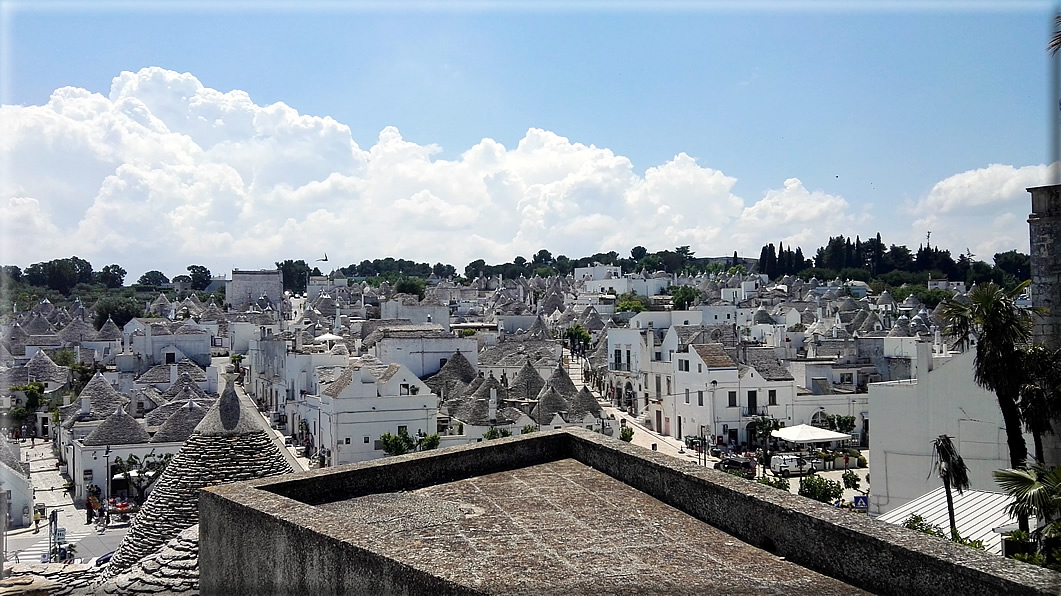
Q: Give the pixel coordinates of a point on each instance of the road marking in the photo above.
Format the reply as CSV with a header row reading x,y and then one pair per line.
x,y
33,553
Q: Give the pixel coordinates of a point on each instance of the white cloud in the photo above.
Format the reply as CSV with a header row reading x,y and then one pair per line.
x,y
164,172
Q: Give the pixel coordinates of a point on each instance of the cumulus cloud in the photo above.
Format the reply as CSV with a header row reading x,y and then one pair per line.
x,y
163,172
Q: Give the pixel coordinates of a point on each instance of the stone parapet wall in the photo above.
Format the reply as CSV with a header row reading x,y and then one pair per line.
x,y
300,548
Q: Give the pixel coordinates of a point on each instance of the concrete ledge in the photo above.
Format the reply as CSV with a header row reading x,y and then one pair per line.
x,y
268,536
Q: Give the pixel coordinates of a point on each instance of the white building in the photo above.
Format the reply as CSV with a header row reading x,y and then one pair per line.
x,y
361,403
909,414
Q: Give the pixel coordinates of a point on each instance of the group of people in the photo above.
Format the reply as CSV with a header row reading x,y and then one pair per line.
x,y
95,508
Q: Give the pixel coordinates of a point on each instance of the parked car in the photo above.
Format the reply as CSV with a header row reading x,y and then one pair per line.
x,y
743,465
787,465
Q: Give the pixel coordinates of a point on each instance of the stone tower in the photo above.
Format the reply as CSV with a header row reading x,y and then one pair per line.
x,y
1044,225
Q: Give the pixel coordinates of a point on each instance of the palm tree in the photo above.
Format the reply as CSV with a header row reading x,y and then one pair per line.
x,y
952,470
1036,492
1040,393
999,328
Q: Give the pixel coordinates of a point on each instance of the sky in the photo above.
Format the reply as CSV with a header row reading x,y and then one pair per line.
x,y
235,135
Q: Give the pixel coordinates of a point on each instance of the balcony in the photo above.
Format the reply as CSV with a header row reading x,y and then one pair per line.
x,y
619,366
750,412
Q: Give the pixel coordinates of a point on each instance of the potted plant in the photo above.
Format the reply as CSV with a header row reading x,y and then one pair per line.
x,y
1017,542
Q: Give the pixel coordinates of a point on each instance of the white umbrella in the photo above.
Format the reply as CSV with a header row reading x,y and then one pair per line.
x,y
327,337
805,433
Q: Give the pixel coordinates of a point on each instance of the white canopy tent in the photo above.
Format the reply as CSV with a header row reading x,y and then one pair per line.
x,y
805,433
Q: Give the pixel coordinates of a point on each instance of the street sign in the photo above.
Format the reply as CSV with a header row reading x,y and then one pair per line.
x,y
60,535
862,502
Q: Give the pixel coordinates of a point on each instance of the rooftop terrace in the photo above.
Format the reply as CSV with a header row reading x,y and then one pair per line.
x,y
566,511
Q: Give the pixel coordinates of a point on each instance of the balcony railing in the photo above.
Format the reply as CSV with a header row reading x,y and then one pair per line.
x,y
624,366
749,412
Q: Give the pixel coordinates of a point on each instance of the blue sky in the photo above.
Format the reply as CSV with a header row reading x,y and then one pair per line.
x,y
874,107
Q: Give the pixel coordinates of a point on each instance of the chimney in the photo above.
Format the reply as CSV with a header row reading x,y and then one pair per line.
x,y
493,404
172,374
86,405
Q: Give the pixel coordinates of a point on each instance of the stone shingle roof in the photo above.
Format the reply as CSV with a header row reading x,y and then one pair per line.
x,y
180,424
527,384
173,570
117,429
77,331
158,416
767,365
513,353
42,368
550,402
160,373
109,331
186,384
584,403
37,325
230,444
714,355
456,371
103,401
10,458
476,409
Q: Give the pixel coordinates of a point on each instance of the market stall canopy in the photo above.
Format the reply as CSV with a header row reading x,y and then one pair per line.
x,y
805,433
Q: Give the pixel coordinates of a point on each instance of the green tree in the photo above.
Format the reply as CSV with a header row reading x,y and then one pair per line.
x,y
430,442
152,278
397,444
200,277
1036,492
999,327
141,473
578,338
121,310
112,276
295,274
626,434
528,429
638,252
411,285
496,433
682,297
1039,394
34,391
952,471
820,489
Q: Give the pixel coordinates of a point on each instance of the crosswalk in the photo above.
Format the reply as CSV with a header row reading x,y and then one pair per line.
x,y
39,549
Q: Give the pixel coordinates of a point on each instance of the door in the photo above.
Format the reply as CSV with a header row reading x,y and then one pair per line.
x,y
659,421
679,435
666,425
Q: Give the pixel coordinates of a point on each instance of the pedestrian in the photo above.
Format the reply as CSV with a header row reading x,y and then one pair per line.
x,y
90,508
36,521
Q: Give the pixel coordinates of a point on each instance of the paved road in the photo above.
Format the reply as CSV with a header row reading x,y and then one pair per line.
x,y
28,545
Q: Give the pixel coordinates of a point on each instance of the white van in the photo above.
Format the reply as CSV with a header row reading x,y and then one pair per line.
x,y
790,465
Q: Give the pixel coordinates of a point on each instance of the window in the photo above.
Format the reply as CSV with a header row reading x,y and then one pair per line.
x,y
772,396
347,440
699,367
686,396
442,362
683,365
847,378
403,429
733,399
366,440
403,389
657,356
700,397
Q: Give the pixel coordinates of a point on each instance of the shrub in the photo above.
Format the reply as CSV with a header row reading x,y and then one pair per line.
x,y
496,433
528,429
626,434
430,442
851,480
820,489
779,483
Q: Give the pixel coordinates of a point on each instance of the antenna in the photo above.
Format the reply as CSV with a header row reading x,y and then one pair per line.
x,y
928,236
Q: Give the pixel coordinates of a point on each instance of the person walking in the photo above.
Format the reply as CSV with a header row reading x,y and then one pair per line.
x,y
37,521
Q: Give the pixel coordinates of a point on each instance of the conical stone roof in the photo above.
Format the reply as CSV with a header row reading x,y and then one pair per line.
x,y
117,429
562,383
230,444
173,570
77,331
527,384
109,331
549,404
584,403
456,371
180,424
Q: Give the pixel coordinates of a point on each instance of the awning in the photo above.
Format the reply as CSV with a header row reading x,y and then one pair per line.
x,y
805,433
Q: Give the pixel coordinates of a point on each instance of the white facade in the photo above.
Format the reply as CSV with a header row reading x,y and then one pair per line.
x,y
425,355
350,421
908,415
597,272
94,464
419,314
